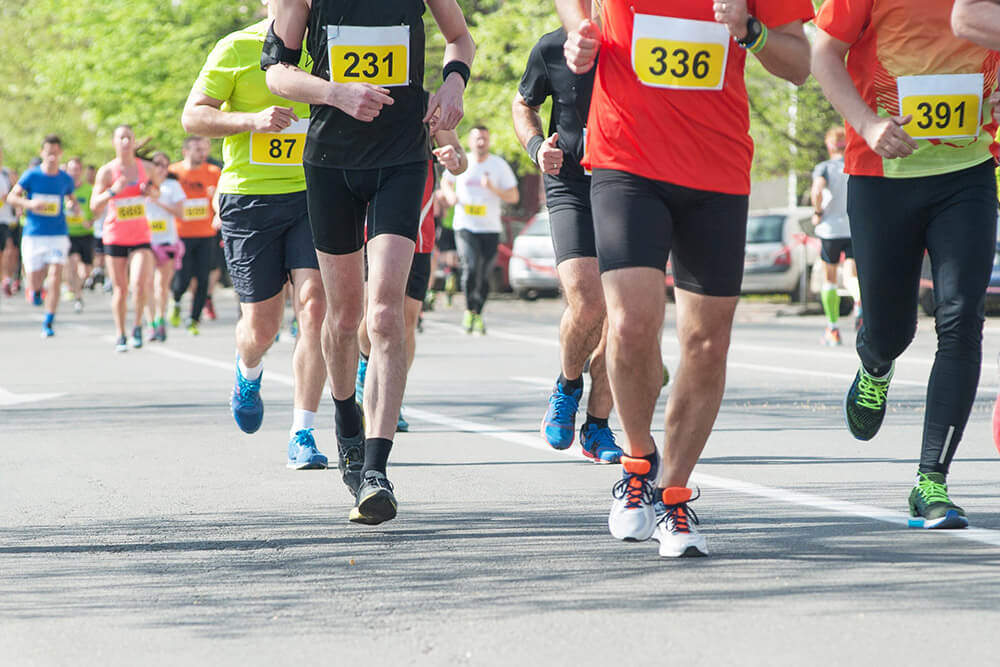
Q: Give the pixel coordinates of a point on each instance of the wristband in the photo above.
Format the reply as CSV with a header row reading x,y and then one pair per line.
x,y
274,51
758,46
534,144
457,66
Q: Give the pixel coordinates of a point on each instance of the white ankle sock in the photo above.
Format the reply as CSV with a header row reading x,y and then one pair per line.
x,y
302,419
251,373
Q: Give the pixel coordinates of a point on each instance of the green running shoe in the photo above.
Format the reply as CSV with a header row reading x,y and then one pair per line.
x,y
478,326
467,321
175,315
864,404
930,505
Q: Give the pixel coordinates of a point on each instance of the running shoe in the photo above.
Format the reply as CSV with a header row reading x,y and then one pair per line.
x,y
78,306
666,376
831,337
302,452
359,381
192,328
930,505
137,337
7,288
47,331
375,502
598,444
248,408
450,287
210,309
293,328
429,301
632,517
89,282
161,332
402,426
675,525
107,287
467,321
36,299
122,344
478,325
559,422
351,457
175,315
864,404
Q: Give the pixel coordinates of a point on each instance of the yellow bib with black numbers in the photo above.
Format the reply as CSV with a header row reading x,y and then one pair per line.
x,y
943,106
195,209
281,149
677,53
130,208
158,226
475,209
376,55
51,205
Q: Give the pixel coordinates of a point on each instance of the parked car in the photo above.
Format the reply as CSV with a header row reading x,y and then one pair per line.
x,y
779,249
532,267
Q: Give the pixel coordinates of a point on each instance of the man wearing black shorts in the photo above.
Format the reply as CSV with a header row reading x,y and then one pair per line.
x,y
366,152
567,196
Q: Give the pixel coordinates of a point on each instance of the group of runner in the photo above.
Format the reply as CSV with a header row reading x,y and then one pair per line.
x,y
328,179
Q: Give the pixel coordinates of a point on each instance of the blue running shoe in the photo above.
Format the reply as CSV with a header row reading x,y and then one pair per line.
x,y
37,299
302,452
402,426
359,382
598,444
559,423
248,409
47,331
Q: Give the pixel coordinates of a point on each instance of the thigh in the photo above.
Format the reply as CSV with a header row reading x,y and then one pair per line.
x,y
632,222
33,254
397,201
710,232
570,221
336,211
253,231
117,267
465,244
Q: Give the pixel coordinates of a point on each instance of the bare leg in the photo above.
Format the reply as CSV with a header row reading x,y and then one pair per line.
x,y
307,360
118,270
343,283
581,330
55,287
142,280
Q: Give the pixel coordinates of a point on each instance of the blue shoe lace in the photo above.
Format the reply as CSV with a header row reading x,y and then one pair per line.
x,y
634,489
562,407
601,440
247,390
680,514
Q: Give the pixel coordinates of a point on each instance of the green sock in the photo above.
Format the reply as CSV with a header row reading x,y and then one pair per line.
x,y
831,304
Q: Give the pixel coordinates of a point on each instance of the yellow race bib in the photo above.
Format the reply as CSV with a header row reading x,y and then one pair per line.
x,y
477,210
51,205
679,53
130,208
158,226
944,106
376,55
279,148
195,209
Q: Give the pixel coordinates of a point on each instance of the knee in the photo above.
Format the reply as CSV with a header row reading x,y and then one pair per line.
x,y
385,322
631,330
959,321
312,310
706,348
263,332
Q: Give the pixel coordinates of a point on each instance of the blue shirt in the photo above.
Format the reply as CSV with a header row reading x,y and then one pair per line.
x,y
39,185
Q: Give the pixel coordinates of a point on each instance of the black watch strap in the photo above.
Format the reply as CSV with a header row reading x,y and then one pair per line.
x,y
754,30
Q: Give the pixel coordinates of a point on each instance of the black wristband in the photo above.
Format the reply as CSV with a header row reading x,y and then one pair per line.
x,y
457,66
534,144
275,51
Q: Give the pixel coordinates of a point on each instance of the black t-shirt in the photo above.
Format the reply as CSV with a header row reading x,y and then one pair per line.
x,y
397,135
547,75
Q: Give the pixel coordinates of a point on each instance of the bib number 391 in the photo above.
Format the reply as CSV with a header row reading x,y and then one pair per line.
x,y
943,106
279,148
679,53
376,55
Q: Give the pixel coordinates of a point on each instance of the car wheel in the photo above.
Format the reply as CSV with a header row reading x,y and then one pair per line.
x,y
527,294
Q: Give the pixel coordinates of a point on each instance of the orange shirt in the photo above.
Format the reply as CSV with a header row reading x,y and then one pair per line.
x,y
670,101
198,184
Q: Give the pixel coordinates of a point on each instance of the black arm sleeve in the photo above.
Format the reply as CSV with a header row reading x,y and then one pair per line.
x,y
275,51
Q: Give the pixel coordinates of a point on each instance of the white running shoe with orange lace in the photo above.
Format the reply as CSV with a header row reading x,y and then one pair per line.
x,y
632,517
676,525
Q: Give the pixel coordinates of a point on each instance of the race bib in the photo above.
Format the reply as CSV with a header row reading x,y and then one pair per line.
x,y
195,209
130,208
279,148
74,220
944,106
158,226
376,55
477,210
51,205
679,53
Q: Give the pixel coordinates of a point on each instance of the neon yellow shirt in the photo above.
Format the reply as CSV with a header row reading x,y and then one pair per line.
x,y
254,163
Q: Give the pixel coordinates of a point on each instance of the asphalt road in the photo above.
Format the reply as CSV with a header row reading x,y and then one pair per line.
x,y
138,525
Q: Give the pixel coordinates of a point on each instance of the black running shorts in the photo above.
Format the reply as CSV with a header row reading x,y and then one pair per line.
x,y
420,276
570,220
641,222
832,249
124,250
82,246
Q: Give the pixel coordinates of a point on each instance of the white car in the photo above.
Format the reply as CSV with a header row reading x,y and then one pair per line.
x,y
779,250
532,268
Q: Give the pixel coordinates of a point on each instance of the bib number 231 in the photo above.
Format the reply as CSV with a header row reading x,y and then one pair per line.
x,y
376,55
679,53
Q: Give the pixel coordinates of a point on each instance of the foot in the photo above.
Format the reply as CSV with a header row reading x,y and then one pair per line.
x,y
78,306
675,525
559,422
137,337
864,404
121,345
47,331
598,444
303,454
831,337
402,426
192,328
429,301
175,316
375,502
930,505
37,299
467,321
210,309
632,518
359,381
351,457
248,408
478,325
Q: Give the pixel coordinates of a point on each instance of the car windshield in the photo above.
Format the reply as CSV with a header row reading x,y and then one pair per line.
x,y
765,228
538,227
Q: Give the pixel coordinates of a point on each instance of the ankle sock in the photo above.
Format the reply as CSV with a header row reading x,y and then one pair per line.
x,y
376,454
346,417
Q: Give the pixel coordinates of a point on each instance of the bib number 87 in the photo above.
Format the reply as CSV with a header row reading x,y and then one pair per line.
x,y
276,150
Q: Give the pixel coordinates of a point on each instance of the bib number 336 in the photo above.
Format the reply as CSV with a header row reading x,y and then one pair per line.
x,y
376,55
679,53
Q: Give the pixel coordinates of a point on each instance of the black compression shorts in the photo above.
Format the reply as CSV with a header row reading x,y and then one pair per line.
x,y
570,219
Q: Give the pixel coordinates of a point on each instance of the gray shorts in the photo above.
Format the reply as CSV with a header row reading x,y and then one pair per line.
x,y
265,237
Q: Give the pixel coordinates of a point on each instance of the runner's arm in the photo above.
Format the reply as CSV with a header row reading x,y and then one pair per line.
x,y
102,193
977,21
885,136
448,192
583,35
816,198
528,125
449,148
786,53
459,48
17,197
203,115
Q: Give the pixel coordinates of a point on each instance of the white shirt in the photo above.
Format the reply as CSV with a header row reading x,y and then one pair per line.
x,y
478,208
6,185
171,194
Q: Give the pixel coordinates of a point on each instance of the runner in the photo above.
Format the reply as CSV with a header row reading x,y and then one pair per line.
x,y
367,147
829,200
168,251
920,153
451,156
81,235
445,244
7,220
477,196
668,142
582,333
44,193
120,194
265,227
198,179
977,21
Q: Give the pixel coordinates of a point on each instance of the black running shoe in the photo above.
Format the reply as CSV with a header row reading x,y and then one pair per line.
x,y
864,404
375,501
351,456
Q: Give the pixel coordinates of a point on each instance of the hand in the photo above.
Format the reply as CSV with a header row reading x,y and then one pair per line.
x,y
445,108
887,137
360,100
550,156
216,222
485,182
734,15
448,157
274,119
151,190
581,47
816,219
120,183
34,205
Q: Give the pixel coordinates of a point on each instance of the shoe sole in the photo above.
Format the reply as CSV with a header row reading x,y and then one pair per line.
x,y
311,465
847,421
951,520
690,552
596,459
375,509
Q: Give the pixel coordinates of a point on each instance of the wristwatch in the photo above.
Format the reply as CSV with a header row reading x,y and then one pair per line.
x,y
754,29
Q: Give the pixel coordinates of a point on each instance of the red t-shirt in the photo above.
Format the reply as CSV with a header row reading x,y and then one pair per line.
x,y
199,185
687,121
